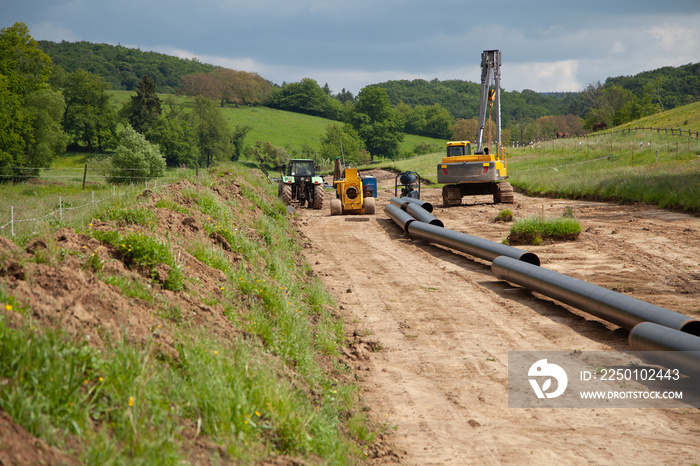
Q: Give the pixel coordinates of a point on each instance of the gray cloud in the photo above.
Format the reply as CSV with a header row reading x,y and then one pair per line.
x,y
547,45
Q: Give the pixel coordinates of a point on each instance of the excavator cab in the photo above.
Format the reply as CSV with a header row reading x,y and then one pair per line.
x,y
458,148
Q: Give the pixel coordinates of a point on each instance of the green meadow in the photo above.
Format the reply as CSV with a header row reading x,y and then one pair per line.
x,y
281,128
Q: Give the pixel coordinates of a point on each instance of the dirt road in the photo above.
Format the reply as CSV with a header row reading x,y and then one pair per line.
x,y
445,325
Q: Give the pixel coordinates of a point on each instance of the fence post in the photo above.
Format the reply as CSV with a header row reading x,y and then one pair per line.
x,y
12,220
93,200
84,175
60,209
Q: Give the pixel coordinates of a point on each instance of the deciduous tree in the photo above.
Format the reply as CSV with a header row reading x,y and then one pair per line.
x,y
213,136
376,122
90,119
30,112
176,138
342,141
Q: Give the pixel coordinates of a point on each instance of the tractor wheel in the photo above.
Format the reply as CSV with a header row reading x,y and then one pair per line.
x,y
368,205
318,197
286,194
336,207
451,195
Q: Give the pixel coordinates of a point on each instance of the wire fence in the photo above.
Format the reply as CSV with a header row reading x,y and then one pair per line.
x,y
668,148
674,132
25,218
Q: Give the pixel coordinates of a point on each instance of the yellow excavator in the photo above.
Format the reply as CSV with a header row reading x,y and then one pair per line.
x,y
467,173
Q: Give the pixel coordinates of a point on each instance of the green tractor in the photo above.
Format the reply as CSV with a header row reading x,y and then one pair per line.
x,y
299,183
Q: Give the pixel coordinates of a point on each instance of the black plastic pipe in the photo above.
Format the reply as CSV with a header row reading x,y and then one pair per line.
x,y
666,346
399,217
423,215
404,201
614,307
472,245
399,202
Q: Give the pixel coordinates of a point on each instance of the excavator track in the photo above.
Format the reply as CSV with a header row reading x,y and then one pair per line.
x,y
451,195
504,193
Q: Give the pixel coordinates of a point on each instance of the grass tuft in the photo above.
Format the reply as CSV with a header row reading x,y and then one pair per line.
x,y
505,215
535,230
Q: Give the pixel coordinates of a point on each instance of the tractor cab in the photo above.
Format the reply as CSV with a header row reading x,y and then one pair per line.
x,y
301,168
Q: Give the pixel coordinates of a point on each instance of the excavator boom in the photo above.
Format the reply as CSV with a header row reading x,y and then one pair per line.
x,y
490,72
484,171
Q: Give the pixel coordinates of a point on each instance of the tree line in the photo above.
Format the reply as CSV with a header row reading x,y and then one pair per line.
x,y
54,103
47,110
120,66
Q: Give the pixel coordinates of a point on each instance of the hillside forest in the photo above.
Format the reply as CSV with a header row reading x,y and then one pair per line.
x,y
57,100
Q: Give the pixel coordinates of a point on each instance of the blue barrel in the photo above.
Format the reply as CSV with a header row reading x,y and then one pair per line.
x,y
369,186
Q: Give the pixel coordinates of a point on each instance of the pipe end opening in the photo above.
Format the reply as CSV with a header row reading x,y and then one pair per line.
x,y
692,327
530,258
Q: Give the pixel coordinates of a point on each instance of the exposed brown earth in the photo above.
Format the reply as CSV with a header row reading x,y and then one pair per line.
x,y
429,328
444,325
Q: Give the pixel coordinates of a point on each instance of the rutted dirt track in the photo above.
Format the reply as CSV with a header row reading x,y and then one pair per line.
x,y
445,325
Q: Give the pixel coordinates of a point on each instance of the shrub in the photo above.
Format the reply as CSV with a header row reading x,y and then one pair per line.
x,y
135,159
268,154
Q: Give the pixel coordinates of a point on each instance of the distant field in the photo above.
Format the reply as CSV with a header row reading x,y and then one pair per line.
x,y
278,127
686,118
612,167
620,167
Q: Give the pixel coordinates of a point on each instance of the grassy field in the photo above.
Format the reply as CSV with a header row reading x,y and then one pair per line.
x,y
634,166
686,118
282,129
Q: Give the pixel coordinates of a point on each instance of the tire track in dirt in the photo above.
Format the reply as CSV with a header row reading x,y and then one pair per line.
x,y
446,325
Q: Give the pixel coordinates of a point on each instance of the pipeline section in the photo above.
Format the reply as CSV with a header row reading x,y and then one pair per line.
x,y
402,202
472,245
609,305
423,215
399,217
667,347
669,338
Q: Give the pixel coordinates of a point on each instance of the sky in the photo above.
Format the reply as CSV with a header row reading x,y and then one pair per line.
x,y
546,45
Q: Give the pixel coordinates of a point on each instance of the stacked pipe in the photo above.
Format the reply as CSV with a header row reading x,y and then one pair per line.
x,y
652,328
403,201
425,226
